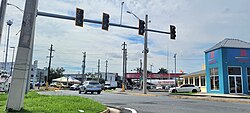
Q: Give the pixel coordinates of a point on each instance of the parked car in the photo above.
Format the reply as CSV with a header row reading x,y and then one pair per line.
x,y
167,87
185,88
90,86
58,85
158,87
74,87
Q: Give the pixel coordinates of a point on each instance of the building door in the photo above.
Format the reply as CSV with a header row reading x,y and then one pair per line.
x,y
235,84
235,80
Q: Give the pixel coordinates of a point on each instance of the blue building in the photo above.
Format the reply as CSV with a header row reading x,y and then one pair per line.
x,y
228,67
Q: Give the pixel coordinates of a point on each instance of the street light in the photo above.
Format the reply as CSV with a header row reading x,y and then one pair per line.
x,y
12,61
16,7
121,13
9,23
145,52
129,12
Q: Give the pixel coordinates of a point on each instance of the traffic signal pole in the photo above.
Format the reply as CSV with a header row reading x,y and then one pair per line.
x,y
145,52
39,13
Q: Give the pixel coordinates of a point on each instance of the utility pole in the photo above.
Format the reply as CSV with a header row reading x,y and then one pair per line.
x,y
175,69
106,72
12,61
2,15
40,77
145,51
83,66
98,69
124,49
50,56
24,56
151,69
140,71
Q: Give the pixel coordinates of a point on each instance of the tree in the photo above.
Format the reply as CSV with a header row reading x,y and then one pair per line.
x,y
56,73
162,71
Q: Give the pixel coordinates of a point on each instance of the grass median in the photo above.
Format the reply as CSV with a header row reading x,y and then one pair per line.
x,y
35,103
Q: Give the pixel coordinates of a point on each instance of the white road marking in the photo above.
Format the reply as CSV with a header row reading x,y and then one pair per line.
x,y
132,110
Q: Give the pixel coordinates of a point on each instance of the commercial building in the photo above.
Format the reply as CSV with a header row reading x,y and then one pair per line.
x,y
228,67
197,78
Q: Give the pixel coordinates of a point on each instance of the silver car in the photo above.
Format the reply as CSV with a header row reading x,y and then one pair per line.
x,y
90,86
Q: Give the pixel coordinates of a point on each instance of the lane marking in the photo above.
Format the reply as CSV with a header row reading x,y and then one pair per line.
x,y
130,109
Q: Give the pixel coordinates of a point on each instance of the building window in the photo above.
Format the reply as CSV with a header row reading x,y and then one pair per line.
x,y
248,76
234,71
203,81
186,80
214,78
191,80
197,81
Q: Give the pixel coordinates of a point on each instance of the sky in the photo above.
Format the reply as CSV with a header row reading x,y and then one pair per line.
x,y
199,26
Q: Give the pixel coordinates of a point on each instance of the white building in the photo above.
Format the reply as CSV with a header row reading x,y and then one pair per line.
x,y
35,74
109,77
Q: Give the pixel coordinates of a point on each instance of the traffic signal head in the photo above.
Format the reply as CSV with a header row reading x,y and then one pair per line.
x,y
172,32
141,27
105,21
79,17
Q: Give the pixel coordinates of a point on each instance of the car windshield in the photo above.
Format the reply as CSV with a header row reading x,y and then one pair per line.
x,y
93,83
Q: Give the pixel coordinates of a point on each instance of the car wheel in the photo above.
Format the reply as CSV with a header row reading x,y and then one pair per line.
x,y
92,92
99,92
80,92
174,91
194,91
85,92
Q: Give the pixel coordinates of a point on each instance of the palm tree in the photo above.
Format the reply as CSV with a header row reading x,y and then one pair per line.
x,y
163,71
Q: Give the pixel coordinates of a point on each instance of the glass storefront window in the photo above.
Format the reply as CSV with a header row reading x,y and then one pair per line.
x,y
191,80
214,78
203,81
186,80
197,81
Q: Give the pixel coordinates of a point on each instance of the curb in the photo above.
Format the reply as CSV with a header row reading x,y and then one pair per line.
x,y
106,111
218,96
211,98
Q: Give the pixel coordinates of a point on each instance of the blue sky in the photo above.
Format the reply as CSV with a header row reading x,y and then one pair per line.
x,y
200,25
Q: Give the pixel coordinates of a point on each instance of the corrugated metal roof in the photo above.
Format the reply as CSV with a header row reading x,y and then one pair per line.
x,y
230,43
201,72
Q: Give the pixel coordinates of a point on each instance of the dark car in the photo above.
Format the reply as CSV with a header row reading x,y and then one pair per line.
x,y
74,87
90,86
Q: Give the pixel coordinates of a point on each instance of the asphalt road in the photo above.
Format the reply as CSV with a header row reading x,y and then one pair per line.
x,y
160,104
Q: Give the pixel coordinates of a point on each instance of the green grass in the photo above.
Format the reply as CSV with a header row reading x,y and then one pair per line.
x,y
35,103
